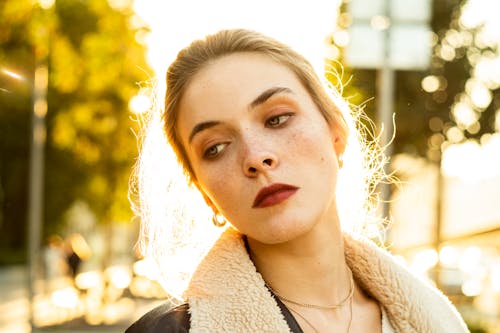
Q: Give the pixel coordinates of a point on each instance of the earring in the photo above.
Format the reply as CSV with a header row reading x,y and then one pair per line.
x,y
218,220
340,161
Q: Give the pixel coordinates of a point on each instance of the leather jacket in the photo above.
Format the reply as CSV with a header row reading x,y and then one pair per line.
x,y
168,319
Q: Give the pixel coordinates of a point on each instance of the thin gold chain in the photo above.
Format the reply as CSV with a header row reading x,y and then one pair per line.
x,y
307,321
350,315
314,328
322,307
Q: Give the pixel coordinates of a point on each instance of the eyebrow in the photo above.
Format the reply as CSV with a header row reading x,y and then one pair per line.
x,y
202,126
264,96
261,99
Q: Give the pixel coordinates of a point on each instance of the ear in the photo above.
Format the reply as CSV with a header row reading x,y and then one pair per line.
x,y
339,137
339,144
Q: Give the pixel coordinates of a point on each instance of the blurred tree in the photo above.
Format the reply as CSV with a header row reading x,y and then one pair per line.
x,y
453,100
466,66
95,65
16,57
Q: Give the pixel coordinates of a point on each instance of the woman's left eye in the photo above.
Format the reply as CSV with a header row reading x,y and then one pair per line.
x,y
278,120
213,151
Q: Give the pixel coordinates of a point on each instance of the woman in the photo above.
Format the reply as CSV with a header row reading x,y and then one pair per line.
x,y
264,142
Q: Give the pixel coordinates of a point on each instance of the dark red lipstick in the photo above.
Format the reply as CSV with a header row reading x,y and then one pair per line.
x,y
273,194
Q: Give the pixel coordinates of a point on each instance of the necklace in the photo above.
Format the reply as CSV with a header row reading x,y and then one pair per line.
x,y
307,321
314,328
322,307
348,299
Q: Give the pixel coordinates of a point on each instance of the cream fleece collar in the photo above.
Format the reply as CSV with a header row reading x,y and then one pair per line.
x,y
227,294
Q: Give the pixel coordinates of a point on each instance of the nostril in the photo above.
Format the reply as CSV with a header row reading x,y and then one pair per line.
x,y
255,166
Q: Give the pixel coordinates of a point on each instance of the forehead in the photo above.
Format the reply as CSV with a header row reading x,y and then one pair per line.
x,y
232,82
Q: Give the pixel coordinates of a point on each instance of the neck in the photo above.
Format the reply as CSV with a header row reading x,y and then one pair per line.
x,y
310,269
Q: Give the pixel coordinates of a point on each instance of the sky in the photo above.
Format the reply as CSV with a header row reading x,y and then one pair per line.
x,y
304,25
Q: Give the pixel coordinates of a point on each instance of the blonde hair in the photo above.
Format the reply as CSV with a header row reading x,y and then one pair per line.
x,y
171,232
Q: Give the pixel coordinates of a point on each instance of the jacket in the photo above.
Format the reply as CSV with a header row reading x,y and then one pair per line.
x,y
227,294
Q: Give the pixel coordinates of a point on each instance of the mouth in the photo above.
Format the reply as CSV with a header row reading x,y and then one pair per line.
x,y
273,195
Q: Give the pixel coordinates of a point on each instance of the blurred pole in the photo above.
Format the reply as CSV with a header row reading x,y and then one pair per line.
x,y
2,196
385,107
35,210
38,138
439,220
388,35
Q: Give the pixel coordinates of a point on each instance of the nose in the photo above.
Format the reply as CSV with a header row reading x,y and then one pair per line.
x,y
259,161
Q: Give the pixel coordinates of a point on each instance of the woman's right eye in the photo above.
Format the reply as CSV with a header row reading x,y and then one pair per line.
x,y
279,120
214,151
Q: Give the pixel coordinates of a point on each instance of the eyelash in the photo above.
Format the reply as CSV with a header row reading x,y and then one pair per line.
x,y
209,155
279,117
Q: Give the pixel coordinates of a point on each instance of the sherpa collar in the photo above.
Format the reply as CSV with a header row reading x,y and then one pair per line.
x,y
227,294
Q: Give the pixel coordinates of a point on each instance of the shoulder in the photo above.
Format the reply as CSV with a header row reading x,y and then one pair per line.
x,y
163,319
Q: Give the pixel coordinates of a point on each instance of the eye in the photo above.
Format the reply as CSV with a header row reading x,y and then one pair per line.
x,y
214,151
277,121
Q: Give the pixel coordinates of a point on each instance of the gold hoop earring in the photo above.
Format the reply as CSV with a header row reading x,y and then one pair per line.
x,y
218,220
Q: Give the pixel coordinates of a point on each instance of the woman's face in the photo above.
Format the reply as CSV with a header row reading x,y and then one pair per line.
x,y
262,153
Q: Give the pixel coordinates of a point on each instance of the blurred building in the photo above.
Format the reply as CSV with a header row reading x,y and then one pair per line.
x,y
446,226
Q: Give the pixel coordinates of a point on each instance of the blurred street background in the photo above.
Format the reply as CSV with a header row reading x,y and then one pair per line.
x,y
76,78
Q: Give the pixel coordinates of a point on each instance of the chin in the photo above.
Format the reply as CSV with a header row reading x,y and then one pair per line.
x,y
284,232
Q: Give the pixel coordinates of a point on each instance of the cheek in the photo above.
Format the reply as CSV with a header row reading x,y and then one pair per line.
x,y
216,184
315,144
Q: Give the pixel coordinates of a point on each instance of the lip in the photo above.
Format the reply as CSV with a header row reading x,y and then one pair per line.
x,y
273,194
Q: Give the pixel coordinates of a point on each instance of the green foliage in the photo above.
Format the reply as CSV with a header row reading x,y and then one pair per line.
x,y
95,65
422,118
476,328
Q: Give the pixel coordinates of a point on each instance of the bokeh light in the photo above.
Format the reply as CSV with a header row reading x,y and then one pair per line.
x,y
12,74
430,83
423,261
448,256
140,103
